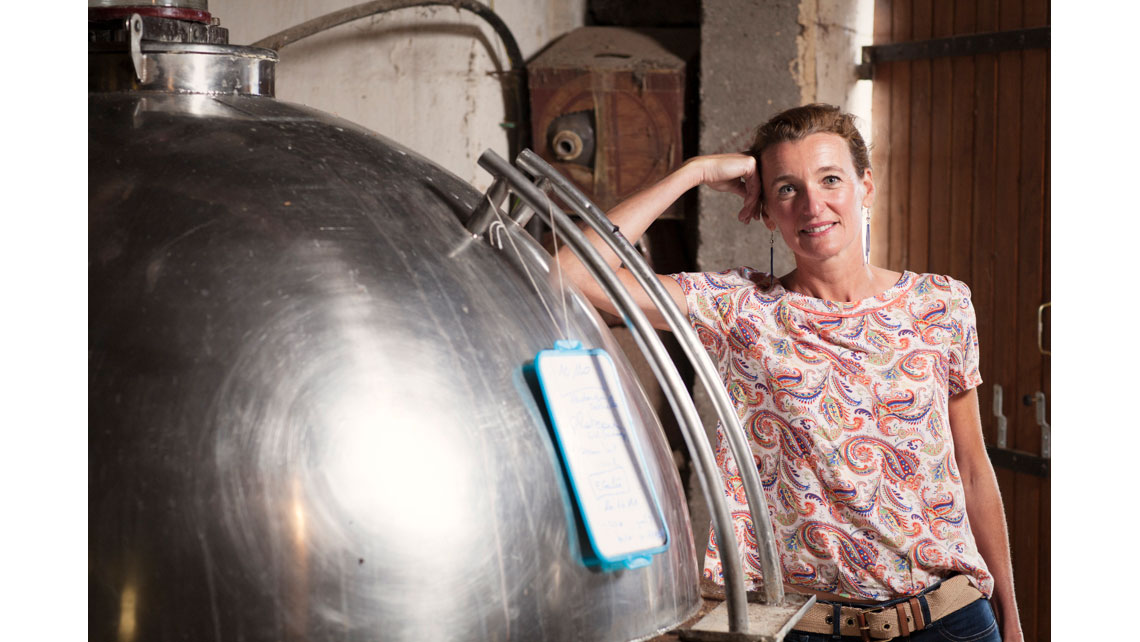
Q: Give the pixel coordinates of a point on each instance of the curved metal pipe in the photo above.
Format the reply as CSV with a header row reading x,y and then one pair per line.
x,y
364,10
762,525
704,461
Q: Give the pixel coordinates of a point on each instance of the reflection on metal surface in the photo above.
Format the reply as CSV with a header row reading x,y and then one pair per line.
x,y
298,514
299,586
127,605
180,67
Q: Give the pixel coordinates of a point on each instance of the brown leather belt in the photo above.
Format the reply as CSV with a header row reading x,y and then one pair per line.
x,y
888,622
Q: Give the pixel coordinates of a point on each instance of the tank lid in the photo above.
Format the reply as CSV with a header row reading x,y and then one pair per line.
x,y
187,68
146,53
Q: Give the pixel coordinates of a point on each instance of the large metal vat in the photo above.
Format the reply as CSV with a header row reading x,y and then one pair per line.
x,y
307,415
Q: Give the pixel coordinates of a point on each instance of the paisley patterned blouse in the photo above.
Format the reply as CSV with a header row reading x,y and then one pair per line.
x,y
845,409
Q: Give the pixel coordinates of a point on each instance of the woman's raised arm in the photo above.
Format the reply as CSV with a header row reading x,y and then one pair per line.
x,y
734,173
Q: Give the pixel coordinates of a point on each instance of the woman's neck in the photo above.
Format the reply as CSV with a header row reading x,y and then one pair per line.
x,y
839,283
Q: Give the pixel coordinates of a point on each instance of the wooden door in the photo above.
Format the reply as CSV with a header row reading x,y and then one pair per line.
x,y
961,158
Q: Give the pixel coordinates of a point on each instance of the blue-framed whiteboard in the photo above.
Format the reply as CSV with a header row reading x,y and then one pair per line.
x,y
615,498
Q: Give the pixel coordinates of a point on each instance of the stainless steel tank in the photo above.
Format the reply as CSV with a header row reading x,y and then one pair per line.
x,y
307,415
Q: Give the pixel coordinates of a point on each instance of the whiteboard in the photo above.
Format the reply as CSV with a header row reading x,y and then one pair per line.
x,y
590,419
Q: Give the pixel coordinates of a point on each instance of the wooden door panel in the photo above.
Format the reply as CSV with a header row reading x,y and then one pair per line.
x,y
915,257
962,162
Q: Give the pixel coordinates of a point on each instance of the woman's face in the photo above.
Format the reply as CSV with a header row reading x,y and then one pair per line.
x,y
813,196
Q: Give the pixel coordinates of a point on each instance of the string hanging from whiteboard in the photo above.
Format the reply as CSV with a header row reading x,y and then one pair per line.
x,y
557,263
529,276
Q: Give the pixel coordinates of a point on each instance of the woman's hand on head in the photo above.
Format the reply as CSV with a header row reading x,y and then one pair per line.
x,y
735,173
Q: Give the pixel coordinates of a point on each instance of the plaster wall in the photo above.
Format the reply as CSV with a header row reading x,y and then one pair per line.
x,y
759,57
423,77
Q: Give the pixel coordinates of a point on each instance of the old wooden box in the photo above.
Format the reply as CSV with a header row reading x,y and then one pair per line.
x,y
606,110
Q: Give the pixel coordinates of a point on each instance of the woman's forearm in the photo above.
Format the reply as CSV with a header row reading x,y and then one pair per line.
x,y
734,173
987,521
984,508
633,216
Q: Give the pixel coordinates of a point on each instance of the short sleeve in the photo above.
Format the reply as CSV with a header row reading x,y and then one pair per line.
x,y
704,296
964,351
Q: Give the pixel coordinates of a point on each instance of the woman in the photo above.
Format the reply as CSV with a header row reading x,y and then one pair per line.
x,y
856,386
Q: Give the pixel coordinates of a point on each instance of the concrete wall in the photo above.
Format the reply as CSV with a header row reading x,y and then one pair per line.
x,y
759,57
420,76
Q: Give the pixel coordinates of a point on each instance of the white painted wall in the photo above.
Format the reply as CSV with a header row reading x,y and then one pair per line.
x,y
420,76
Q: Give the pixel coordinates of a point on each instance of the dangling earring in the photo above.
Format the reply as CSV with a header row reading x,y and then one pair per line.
x,y
772,253
866,236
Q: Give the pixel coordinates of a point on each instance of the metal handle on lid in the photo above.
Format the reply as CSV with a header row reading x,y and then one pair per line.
x,y
135,26
687,337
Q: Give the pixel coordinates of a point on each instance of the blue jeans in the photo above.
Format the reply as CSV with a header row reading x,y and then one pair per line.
x,y
972,623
